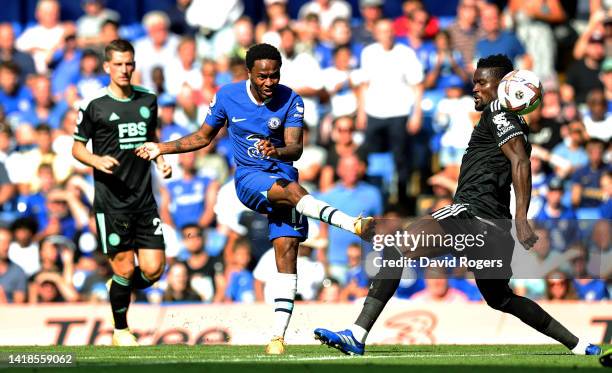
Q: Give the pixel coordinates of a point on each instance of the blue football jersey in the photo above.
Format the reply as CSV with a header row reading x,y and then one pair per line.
x,y
249,122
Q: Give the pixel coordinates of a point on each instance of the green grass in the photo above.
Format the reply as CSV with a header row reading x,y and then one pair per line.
x,y
378,359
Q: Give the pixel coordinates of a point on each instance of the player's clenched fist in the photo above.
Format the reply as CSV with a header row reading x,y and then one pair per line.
x,y
148,151
105,163
266,148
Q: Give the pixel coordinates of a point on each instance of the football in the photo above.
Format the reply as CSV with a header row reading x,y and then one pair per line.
x,y
520,91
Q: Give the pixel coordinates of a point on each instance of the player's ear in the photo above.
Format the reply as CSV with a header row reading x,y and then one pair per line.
x,y
106,67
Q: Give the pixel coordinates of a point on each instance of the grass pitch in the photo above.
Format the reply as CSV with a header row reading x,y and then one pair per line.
x,y
378,359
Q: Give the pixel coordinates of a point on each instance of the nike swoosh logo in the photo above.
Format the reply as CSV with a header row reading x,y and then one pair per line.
x,y
297,228
236,120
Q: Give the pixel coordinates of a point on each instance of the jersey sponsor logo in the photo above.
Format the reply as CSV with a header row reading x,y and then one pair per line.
x,y
274,123
113,117
502,124
132,135
253,151
236,120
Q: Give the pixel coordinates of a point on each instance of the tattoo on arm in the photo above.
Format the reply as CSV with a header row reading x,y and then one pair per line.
x,y
294,144
197,140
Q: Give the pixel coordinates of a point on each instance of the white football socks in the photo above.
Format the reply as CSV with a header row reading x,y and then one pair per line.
x,y
317,209
580,348
285,287
359,333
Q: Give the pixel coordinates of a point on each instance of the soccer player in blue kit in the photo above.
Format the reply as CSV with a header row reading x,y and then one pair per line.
x,y
264,120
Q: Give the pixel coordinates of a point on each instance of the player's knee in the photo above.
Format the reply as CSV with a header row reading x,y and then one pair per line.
x,y
126,272
153,273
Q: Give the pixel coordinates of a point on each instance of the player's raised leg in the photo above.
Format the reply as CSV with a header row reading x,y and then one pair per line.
x,y
120,293
290,193
285,287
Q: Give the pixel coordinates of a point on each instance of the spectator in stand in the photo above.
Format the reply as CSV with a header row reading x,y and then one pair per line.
x,y
330,291
415,36
568,156
45,108
301,72
391,67
47,36
498,41
544,133
582,76
559,287
158,48
327,11
8,53
12,277
14,96
90,80
240,283
205,271
596,120
586,188
208,87
533,20
352,196
465,32
588,286
444,66
371,11
274,20
23,251
53,282
89,25
343,145
177,14
606,188
308,31
437,289
402,23
184,70
357,280
338,82
600,249
178,288
340,36
190,199
560,221
244,34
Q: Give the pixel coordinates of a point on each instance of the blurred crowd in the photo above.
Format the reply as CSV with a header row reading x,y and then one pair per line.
x,y
388,114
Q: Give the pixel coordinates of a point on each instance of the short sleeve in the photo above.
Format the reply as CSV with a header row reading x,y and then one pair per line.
x,y
216,116
505,126
295,114
85,126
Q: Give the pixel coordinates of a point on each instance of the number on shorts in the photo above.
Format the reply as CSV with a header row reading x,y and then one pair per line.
x,y
158,227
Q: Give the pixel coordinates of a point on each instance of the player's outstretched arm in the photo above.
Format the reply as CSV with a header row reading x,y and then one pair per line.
x,y
195,141
514,150
104,163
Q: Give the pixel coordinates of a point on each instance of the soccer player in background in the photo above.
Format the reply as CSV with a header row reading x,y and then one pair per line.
x,y
117,119
265,121
497,156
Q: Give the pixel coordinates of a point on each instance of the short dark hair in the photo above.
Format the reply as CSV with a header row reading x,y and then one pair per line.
x,y
192,226
262,51
119,45
499,63
11,66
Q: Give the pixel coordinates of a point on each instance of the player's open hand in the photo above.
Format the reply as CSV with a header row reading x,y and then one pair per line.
x,y
148,151
165,169
105,163
525,234
266,148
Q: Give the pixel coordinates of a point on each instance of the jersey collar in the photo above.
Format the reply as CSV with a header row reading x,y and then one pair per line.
x,y
248,89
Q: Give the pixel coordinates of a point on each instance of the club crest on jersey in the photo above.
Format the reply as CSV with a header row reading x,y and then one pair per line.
x,y
274,123
502,124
